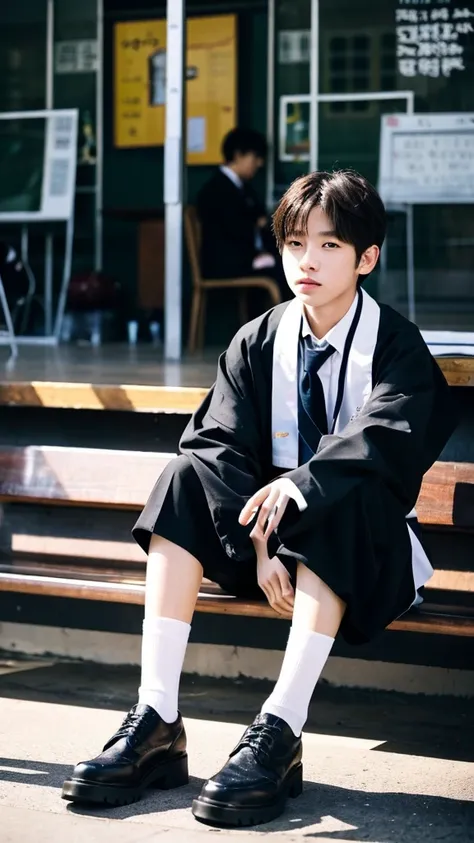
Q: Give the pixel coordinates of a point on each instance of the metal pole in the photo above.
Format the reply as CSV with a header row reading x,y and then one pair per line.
x,y
99,139
25,259
50,54
48,252
9,323
66,275
48,285
271,106
174,175
314,88
410,265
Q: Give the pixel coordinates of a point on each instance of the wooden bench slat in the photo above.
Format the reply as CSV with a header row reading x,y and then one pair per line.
x,y
436,622
452,581
89,396
458,371
447,495
153,399
445,620
124,479
100,570
79,476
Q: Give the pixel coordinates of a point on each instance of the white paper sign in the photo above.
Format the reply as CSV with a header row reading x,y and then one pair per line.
x,y
427,159
76,56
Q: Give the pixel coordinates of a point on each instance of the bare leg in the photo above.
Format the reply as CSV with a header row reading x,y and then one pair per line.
x,y
317,616
172,584
173,579
316,607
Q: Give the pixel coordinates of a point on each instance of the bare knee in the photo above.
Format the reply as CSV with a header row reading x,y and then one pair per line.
x,y
173,580
317,607
165,552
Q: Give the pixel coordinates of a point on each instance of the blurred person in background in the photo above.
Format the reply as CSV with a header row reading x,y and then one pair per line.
x,y
236,237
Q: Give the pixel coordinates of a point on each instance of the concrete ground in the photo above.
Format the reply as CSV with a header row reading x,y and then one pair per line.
x,y
378,766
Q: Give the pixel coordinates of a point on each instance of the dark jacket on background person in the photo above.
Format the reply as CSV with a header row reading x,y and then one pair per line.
x,y
228,216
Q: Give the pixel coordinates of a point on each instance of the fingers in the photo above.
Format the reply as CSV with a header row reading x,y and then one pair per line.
x,y
266,510
276,514
279,593
286,590
270,503
269,593
251,507
283,602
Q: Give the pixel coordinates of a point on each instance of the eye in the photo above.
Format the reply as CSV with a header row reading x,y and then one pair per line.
x,y
294,243
330,245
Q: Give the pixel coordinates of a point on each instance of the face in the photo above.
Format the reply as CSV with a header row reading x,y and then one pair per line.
x,y
247,165
321,269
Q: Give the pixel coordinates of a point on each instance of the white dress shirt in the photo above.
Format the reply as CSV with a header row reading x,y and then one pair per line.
x,y
330,370
329,376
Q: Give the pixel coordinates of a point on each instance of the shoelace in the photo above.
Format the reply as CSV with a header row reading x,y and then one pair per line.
x,y
261,737
131,725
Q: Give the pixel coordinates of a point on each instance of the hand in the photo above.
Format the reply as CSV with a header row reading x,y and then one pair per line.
x,y
272,576
274,580
272,501
263,261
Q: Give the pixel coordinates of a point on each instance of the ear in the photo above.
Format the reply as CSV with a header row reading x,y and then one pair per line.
x,y
368,260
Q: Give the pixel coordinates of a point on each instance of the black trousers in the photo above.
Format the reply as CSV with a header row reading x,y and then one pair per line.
x,y
361,550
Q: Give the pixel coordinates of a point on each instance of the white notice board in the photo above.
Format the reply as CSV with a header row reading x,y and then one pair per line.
x,y
427,159
38,152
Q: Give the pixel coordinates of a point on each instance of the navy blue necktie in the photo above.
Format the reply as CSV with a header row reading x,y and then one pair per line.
x,y
312,414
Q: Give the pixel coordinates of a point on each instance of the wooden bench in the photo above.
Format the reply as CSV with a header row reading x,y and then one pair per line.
x,y
143,398
122,480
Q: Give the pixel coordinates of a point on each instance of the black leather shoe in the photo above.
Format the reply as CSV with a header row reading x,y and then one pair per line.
x,y
253,786
144,752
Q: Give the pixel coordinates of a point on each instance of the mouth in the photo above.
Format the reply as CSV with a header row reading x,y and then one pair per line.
x,y
307,282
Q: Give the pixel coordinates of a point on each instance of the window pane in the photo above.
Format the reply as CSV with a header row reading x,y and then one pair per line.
x,y
442,81
292,64
22,55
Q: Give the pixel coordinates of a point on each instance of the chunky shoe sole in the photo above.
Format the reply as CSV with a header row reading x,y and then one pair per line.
x,y
217,813
169,775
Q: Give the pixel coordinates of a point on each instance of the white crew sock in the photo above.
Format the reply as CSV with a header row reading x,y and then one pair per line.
x,y
305,656
163,647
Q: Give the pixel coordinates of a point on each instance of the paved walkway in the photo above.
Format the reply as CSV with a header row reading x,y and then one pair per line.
x,y
377,767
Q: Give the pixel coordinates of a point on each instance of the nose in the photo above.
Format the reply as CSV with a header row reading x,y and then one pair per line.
x,y
309,262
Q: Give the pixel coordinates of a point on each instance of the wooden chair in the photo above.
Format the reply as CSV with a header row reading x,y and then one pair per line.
x,y
192,229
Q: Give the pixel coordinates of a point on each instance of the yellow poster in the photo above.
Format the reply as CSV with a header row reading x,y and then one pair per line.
x,y
140,84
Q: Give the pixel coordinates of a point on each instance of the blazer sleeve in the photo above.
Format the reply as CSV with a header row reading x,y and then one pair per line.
x,y
223,440
398,434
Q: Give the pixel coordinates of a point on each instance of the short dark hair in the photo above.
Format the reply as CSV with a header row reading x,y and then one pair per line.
x,y
243,140
349,200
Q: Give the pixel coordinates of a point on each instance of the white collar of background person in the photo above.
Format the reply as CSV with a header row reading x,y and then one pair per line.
x,y
229,172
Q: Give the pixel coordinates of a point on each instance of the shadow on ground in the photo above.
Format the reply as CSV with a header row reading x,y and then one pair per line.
x,y
436,727
373,817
